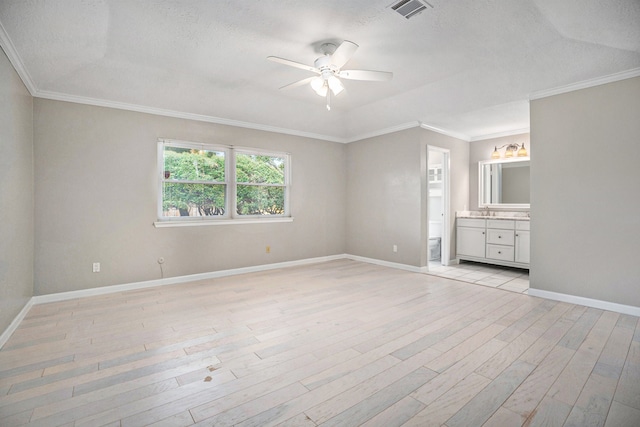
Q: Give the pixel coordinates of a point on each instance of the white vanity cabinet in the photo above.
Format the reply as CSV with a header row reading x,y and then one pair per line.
x,y
493,241
522,242
500,240
470,237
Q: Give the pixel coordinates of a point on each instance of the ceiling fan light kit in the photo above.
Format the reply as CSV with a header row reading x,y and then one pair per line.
x,y
329,70
318,84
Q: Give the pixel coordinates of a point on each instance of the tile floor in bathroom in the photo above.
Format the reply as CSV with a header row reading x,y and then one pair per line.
x,y
495,276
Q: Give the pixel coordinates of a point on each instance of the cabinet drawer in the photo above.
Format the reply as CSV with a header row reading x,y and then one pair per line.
x,y
500,237
523,225
504,224
471,222
504,253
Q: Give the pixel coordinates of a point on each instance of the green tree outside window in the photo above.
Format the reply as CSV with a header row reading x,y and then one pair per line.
x,y
195,183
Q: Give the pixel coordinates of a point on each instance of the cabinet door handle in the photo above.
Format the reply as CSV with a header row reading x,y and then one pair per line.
x,y
500,252
499,237
517,235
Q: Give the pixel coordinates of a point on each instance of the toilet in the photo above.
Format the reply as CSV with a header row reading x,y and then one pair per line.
x,y
434,248
435,233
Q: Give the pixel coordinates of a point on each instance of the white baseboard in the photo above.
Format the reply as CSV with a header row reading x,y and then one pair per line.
x,y
589,302
399,266
15,323
64,296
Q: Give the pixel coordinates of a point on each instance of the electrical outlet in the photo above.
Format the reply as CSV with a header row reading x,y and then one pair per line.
x,y
395,248
96,267
268,249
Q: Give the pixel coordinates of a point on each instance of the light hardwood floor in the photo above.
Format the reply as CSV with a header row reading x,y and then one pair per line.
x,y
338,343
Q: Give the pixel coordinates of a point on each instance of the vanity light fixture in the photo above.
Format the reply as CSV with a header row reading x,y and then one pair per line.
x,y
511,151
522,152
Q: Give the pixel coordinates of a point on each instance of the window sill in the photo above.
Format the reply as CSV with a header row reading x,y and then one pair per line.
x,y
163,224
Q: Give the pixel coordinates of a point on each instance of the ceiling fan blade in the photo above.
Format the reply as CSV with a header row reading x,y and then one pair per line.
x,y
298,83
293,64
378,76
343,53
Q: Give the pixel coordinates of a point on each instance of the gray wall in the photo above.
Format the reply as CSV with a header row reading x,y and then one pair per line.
x,y
16,194
96,190
481,150
387,194
585,193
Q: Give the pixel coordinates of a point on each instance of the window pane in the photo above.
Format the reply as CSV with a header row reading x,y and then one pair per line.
x,y
260,200
259,169
193,165
192,199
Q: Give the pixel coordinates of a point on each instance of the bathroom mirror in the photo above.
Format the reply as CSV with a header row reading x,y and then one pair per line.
x,y
504,183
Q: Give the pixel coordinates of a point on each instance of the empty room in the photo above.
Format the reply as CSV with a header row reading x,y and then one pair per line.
x,y
296,213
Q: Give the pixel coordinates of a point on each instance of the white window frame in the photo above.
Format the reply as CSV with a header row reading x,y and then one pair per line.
x,y
230,216
287,179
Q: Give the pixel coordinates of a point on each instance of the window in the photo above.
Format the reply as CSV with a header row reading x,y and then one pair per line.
x,y
208,182
193,181
260,183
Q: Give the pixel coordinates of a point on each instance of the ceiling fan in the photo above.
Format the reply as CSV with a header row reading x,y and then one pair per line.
x,y
329,70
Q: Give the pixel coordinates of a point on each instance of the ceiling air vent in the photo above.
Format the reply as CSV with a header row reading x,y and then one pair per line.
x,y
410,8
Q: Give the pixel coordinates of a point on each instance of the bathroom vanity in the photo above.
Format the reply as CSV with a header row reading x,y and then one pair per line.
x,y
493,240
495,235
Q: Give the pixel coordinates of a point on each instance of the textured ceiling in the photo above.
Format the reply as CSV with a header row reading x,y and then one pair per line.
x,y
467,67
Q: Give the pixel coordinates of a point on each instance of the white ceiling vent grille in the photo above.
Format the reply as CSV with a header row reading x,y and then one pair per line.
x,y
410,8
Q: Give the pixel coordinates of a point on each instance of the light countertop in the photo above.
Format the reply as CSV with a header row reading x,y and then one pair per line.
x,y
513,216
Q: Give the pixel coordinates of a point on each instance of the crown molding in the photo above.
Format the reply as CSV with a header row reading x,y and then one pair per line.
x,y
16,62
179,114
410,125
441,131
56,96
384,131
446,132
14,58
500,134
585,84
7,46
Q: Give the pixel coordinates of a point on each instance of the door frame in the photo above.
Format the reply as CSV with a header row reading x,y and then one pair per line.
x,y
446,204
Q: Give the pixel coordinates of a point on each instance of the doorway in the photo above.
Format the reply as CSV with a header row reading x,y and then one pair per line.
x,y
438,169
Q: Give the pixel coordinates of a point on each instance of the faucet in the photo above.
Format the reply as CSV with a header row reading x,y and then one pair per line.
x,y
485,211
